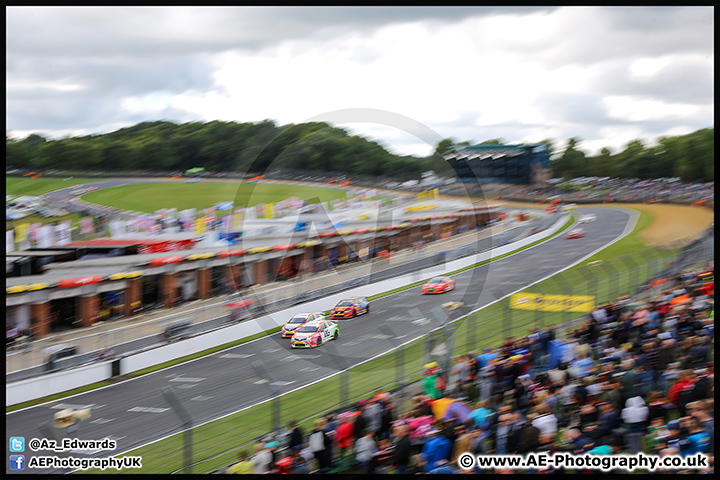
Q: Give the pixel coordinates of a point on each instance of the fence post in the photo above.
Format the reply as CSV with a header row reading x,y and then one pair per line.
x,y
566,288
344,366
593,271
627,260
611,273
262,372
399,356
504,312
400,366
186,420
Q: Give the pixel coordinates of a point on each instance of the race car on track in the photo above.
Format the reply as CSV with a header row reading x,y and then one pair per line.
x,y
297,321
314,334
588,217
438,285
575,233
350,307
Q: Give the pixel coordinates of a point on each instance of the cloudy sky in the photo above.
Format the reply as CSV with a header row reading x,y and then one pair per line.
x,y
404,76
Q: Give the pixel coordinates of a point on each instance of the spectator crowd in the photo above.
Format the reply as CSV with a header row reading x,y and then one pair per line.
x,y
618,189
636,376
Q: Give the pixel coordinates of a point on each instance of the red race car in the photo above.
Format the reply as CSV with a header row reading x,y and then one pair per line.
x,y
438,285
577,233
350,307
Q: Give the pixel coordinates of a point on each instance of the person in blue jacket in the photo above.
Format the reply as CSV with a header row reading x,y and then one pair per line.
x,y
699,438
437,448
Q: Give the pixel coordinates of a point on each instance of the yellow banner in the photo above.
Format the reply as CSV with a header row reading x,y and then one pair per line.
x,y
552,303
38,286
416,208
237,219
200,225
270,210
433,194
21,232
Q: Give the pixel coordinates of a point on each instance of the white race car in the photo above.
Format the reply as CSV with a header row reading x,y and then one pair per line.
x,y
298,321
314,334
588,217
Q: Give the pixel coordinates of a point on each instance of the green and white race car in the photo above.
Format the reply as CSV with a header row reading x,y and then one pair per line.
x,y
315,333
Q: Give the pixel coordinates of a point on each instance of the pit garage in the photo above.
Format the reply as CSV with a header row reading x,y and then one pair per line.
x,y
151,290
64,314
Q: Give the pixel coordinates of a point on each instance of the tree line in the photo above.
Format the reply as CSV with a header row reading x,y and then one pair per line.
x,y
317,146
690,157
219,147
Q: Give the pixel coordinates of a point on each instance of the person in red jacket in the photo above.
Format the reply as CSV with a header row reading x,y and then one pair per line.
x,y
685,381
708,287
344,437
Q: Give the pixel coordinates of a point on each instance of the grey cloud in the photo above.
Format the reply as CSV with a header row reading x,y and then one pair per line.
x,y
656,18
145,31
61,112
620,32
685,80
574,108
509,132
77,110
171,74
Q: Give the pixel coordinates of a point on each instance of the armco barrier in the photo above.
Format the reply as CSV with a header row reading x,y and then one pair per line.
x,y
30,389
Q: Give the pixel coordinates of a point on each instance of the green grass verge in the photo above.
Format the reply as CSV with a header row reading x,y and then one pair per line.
x,y
151,197
631,243
38,186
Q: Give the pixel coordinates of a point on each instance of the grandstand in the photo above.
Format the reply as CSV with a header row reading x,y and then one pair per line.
x,y
501,164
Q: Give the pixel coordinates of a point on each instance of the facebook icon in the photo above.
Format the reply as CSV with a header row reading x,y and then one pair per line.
x,y
17,462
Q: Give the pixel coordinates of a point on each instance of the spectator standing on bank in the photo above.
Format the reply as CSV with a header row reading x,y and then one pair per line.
x,y
244,466
699,438
373,415
635,416
365,449
261,460
360,423
344,435
320,445
296,436
437,448
401,455
430,382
